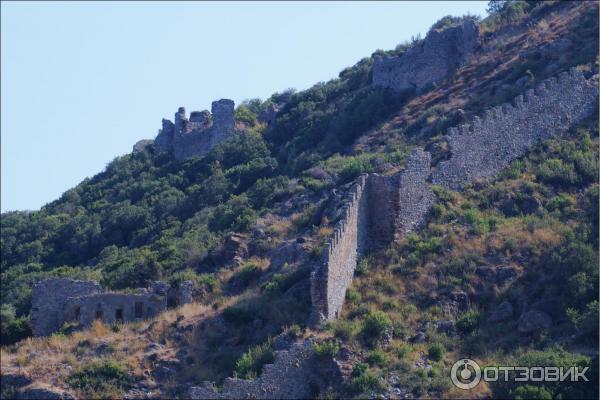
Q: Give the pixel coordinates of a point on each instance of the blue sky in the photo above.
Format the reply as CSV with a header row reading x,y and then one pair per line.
x,y
81,82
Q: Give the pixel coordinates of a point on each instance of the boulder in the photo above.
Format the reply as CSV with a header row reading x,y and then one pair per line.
x,y
503,312
461,298
235,246
505,274
534,321
420,337
447,327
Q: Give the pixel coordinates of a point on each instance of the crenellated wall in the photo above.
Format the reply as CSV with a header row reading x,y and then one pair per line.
x,y
382,209
378,209
484,147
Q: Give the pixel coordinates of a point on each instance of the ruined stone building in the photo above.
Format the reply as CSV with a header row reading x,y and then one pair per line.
x,y
59,300
430,61
379,209
198,134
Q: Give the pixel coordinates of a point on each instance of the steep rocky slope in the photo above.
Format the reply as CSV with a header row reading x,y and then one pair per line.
x,y
312,278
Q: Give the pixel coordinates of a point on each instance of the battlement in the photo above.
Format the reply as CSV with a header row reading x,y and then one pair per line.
x,y
201,132
428,62
378,208
486,145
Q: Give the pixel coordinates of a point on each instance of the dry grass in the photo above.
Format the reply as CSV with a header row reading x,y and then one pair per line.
x,y
49,360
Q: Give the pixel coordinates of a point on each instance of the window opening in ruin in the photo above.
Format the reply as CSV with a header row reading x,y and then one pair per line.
x,y
119,315
139,309
99,314
77,313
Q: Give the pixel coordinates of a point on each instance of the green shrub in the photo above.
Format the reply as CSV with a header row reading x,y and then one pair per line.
x,y
250,364
344,330
362,267
210,281
377,357
363,379
352,296
12,329
248,274
435,351
467,322
326,350
376,324
527,392
557,172
100,379
353,168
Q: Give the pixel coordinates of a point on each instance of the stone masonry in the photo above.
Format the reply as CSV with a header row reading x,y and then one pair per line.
x,y
59,300
380,209
49,299
484,147
201,132
114,307
289,377
428,62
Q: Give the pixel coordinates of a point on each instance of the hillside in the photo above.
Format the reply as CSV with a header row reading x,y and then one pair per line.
x,y
502,270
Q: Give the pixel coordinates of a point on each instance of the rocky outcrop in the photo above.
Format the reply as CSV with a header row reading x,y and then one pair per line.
x,y
201,132
290,376
428,62
487,145
141,145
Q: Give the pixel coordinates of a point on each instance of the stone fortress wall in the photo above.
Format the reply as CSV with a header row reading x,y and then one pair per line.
x,y
59,300
428,62
395,205
328,284
197,135
484,147
289,377
379,207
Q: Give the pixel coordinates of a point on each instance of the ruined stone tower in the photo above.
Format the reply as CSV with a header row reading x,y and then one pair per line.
x,y
201,132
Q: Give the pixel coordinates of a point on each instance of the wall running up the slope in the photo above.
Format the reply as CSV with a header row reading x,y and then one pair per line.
x,y
378,209
383,208
484,147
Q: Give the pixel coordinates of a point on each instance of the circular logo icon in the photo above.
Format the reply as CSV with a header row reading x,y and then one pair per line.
x,y
465,374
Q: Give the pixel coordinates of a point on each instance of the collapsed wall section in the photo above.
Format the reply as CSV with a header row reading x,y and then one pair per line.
x,y
484,147
288,377
430,61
